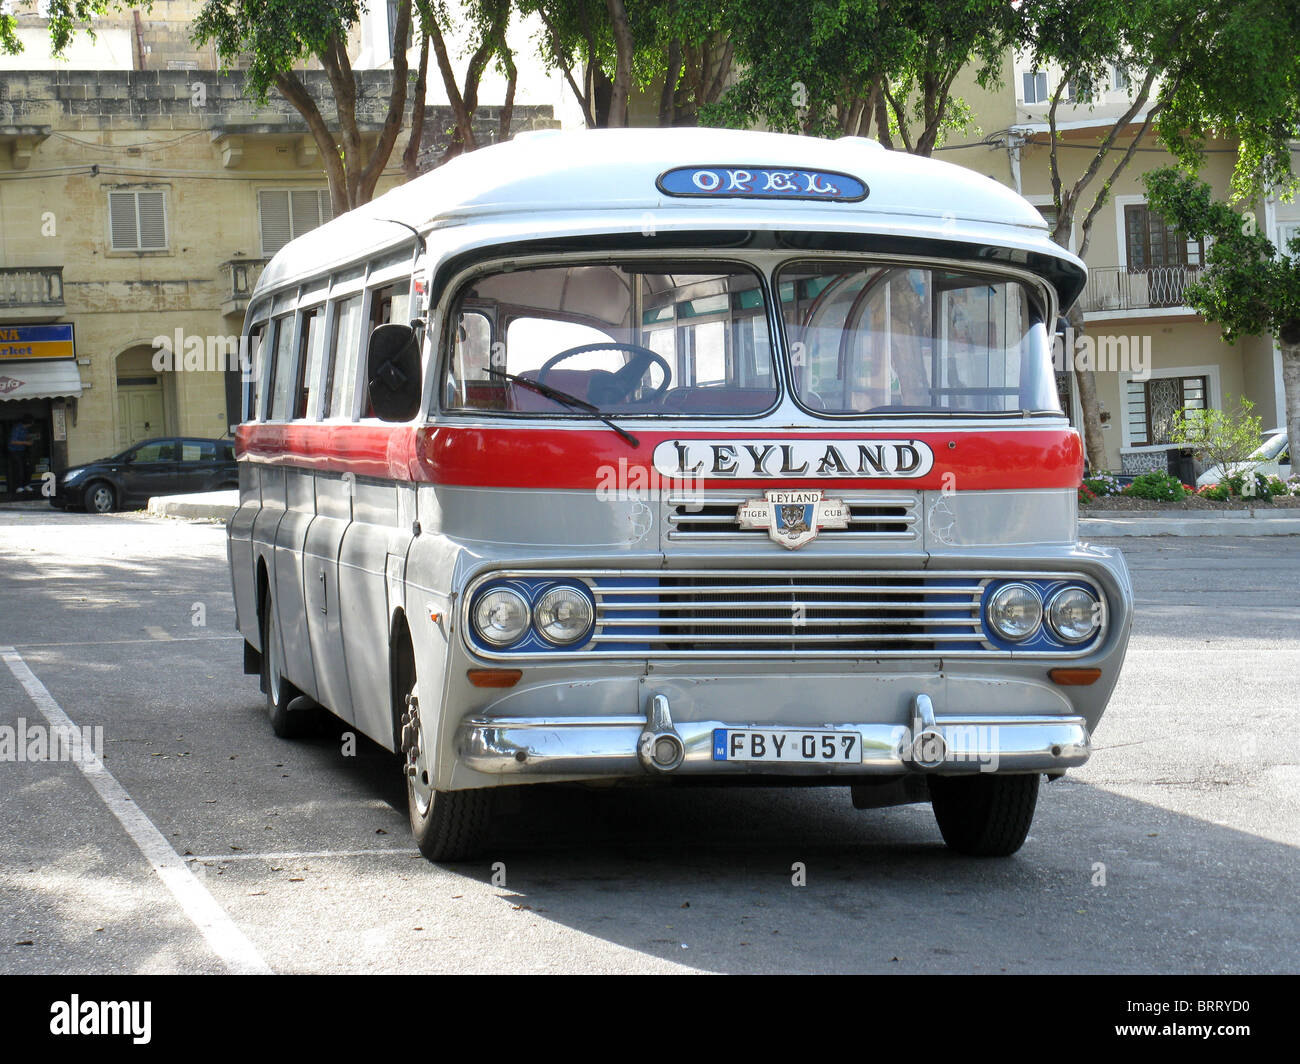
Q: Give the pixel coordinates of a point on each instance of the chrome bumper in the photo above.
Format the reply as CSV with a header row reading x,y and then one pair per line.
x,y
626,746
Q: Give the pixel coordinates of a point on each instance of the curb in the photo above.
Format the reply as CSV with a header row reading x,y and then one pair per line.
x,y
211,506
1243,524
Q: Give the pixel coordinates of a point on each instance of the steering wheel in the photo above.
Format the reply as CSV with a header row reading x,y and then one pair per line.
x,y
614,387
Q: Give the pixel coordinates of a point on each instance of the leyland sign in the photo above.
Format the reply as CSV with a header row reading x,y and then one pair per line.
x,y
36,341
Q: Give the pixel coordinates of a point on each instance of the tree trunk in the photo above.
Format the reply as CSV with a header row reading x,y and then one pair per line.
x,y
1085,380
624,46
411,156
1291,385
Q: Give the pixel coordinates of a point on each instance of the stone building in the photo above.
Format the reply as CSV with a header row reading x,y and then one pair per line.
x,y
141,192
1153,355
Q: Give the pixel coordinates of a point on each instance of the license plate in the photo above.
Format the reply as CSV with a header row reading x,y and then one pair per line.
x,y
787,746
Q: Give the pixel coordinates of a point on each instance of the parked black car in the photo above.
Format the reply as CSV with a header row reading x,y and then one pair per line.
x,y
172,465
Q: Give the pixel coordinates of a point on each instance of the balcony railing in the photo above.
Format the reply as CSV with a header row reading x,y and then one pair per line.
x,y
1135,288
238,279
36,289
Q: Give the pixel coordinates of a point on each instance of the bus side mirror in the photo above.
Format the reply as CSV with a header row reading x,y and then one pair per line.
x,y
393,372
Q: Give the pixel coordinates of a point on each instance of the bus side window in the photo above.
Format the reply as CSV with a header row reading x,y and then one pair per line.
x,y
281,369
390,303
341,372
253,369
311,347
469,384
387,304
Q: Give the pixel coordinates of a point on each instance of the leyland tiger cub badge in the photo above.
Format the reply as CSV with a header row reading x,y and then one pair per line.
x,y
793,518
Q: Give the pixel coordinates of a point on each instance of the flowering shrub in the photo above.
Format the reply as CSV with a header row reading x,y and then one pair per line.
x,y
1252,487
1293,484
1086,494
1102,484
1216,492
1159,487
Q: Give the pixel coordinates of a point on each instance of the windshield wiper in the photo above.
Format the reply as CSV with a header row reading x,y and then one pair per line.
x,y
568,400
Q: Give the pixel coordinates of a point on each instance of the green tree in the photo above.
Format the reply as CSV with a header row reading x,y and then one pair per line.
x,y
840,67
1225,439
608,49
1249,286
1196,68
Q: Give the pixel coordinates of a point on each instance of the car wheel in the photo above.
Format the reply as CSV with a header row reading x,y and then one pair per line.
x,y
984,815
447,825
101,498
280,693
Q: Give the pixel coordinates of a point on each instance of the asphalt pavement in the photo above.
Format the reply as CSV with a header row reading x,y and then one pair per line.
x,y
208,845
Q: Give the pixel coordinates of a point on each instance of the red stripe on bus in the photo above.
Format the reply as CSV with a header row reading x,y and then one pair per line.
x,y
964,460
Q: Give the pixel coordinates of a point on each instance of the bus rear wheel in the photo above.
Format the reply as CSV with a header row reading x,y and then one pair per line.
x,y
447,825
984,815
280,693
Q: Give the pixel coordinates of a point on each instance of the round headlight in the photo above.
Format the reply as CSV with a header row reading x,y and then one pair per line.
x,y
501,616
1015,611
563,615
1074,615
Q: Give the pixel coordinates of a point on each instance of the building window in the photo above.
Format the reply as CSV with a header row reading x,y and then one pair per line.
x,y
137,220
1152,243
1065,393
1118,78
1035,86
1287,232
1154,406
286,214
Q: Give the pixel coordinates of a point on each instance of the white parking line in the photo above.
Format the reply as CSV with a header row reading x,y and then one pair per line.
x,y
298,855
227,941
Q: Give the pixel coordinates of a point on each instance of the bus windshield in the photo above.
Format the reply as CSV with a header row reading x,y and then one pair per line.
x,y
636,339
879,338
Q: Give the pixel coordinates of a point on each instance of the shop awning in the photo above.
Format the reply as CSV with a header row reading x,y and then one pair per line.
x,y
49,379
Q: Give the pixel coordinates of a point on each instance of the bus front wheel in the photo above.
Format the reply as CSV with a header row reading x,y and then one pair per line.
x,y
447,825
984,815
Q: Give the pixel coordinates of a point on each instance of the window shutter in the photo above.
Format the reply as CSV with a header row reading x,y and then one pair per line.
x,y
153,221
122,221
273,208
305,208
326,208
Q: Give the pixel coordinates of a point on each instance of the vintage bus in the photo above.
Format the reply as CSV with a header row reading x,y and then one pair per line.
x,y
667,456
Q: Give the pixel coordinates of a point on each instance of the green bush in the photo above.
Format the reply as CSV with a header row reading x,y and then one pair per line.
x,y
1102,484
1263,487
1217,492
1159,487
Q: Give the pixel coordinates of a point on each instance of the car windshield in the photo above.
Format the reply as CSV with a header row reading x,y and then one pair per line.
x,y
1272,449
878,338
632,339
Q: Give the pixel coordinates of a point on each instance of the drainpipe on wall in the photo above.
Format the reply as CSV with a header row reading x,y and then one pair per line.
x,y
139,41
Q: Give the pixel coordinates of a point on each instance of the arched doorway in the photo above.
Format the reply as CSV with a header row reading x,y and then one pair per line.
x,y
143,399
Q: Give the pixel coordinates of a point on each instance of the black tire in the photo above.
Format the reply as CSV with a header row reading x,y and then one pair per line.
x,y
984,815
455,826
100,497
280,693
447,825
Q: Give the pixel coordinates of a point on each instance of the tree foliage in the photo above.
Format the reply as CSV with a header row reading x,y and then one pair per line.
x,y
606,49
838,67
276,38
1196,68
1247,285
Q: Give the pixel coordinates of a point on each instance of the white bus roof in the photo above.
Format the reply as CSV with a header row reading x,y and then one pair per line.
x,y
555,184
